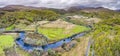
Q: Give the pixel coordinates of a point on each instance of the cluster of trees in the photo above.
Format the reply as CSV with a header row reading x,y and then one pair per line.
x,y
9,18
106,37
45,14
105,34
101,14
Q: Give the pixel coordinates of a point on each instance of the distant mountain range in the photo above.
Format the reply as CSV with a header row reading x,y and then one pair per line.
x,y
20,7
88,9
118,10
70,9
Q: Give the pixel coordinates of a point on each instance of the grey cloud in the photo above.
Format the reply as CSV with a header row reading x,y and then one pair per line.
x,y
111,4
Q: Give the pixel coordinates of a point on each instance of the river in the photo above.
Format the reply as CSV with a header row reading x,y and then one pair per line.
x,y
46,47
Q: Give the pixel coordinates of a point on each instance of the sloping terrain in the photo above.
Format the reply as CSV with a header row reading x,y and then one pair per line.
x,y
105,31
79,49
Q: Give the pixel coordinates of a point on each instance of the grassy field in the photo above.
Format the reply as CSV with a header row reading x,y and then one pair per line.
x,y
10,27
57,31
6,41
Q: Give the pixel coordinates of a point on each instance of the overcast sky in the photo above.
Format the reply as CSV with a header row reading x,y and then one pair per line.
x,y
111,4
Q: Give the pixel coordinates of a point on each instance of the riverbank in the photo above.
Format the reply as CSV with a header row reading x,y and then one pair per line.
x,y
29,47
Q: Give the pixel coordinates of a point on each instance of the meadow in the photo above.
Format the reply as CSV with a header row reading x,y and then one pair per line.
x,y
60,33
6,41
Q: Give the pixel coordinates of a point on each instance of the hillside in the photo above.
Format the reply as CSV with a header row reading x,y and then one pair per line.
x,y
20,7
52,32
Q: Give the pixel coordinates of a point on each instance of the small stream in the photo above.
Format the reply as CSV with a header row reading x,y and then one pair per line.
x,y
46,47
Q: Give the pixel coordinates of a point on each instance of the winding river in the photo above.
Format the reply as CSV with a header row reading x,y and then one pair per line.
x,y
29,47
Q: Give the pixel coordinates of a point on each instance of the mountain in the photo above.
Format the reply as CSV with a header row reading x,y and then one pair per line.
x,y
20,7
87,9
97,9
118,10
61,11
74,8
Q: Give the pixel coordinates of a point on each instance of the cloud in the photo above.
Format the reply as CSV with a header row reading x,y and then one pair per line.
x,y
111,4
